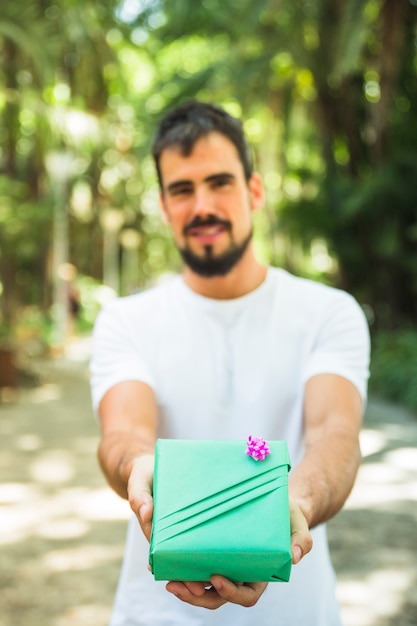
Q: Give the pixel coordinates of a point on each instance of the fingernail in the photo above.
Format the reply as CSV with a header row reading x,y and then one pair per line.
x,y
142,511
298,553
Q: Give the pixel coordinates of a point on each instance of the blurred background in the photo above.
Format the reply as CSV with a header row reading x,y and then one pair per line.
x,y
328,92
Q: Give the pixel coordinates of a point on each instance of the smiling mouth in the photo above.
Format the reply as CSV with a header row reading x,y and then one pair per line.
x,y
207,229
206,235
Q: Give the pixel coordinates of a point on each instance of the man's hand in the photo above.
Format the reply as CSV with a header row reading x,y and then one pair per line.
x,y
220,590
139,490
216,593
301,541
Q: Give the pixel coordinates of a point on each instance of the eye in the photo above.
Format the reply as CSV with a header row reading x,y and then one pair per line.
x,y
221,181
180,190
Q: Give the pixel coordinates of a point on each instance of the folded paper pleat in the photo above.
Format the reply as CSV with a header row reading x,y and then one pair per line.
x,y
174,524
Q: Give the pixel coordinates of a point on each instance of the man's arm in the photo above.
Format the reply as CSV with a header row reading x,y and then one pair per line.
x,y
321,483
128,417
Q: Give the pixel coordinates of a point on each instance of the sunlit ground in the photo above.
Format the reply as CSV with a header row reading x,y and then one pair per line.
x,y
62,529
374,540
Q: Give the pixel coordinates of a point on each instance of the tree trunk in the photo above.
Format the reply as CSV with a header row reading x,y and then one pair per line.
x,y
8,299
11,122
11,110
392,37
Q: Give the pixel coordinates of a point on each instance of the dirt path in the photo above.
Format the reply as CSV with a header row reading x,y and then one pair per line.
x,y
374,539
62,530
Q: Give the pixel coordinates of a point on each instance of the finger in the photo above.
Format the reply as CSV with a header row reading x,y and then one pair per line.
x,y
142,506
140,492
301,540
145,515
208,600
141,476
195,588
246,594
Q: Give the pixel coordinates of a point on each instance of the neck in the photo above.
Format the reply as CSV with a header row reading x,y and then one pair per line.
x,y
246,276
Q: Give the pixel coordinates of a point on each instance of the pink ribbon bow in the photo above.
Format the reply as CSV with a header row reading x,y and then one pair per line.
x,y
257,448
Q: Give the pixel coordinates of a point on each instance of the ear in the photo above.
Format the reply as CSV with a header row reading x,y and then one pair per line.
x,y
256,191
164,211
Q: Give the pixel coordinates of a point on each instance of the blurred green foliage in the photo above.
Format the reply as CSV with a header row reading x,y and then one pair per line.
x,y
394,367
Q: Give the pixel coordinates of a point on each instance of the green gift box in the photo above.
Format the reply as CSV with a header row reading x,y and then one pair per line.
x,y
219,511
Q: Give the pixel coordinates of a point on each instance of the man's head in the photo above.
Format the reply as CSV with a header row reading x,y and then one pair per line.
x,y
208,188
183,126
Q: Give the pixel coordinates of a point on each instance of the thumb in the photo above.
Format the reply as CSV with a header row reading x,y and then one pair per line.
x,y
301,540
140,492
145,513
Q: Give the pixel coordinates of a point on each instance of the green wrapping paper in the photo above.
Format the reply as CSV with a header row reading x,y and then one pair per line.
x,y
218,511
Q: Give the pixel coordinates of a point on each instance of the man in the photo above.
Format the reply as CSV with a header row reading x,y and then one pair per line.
x,y
228,349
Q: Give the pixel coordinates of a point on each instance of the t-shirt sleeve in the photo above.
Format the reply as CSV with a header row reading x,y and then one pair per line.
x,y
116,356
341,344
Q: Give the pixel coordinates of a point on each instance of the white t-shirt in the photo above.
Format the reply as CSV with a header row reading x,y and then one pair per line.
x,y
226,369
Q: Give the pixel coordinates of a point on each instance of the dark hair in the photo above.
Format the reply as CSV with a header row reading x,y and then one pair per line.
x,y
190,121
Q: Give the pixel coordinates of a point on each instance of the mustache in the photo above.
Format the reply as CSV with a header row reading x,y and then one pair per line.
x,y
210,220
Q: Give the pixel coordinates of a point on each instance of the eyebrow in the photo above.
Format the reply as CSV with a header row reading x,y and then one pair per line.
x,y
220,176
210,179
177,184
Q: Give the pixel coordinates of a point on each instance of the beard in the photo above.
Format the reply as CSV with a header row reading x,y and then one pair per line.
x,y
209,265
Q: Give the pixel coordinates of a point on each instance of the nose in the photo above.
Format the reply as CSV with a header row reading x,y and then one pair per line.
x,y
203,202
